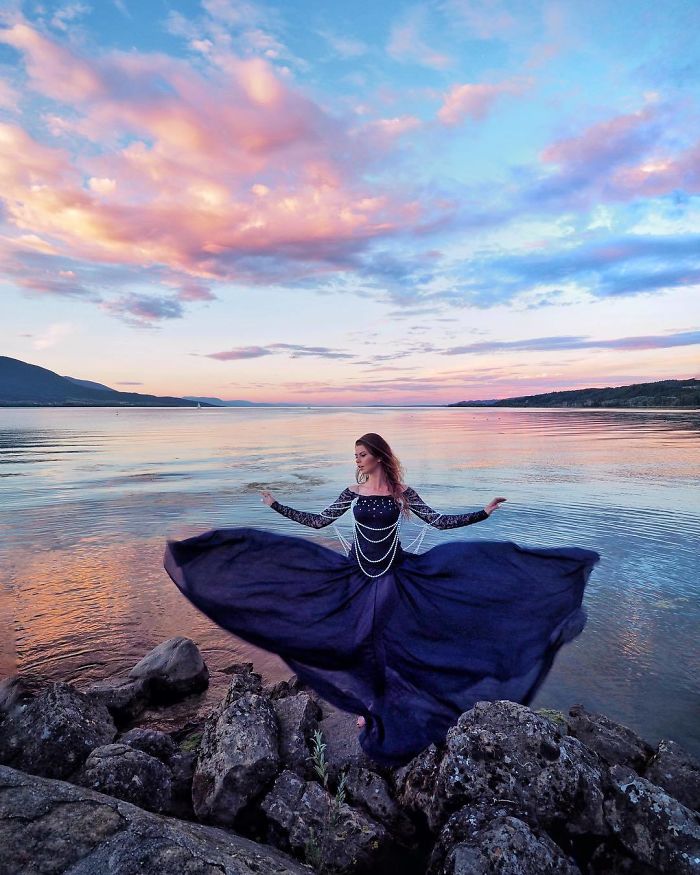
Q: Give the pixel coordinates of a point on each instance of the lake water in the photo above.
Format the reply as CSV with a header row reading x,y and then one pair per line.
x,y
89,497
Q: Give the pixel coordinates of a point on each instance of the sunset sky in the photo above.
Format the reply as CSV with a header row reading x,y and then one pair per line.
x,y
350,203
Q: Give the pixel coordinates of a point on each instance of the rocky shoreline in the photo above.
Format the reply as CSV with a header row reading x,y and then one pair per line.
x,y
147,774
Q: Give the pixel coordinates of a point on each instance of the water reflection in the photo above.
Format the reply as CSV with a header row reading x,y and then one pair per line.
x,y
89,497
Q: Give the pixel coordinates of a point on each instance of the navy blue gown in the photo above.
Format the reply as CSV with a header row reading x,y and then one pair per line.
x,y
409,640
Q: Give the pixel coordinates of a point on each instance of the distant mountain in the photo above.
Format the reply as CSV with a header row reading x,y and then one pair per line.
x,y
217,402
89,383
25,385
683,394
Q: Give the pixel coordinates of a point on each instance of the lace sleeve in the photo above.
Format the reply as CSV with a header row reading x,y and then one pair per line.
x,y
317,520
441,520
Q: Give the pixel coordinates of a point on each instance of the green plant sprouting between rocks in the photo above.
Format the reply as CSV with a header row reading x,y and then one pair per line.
x,y
318,847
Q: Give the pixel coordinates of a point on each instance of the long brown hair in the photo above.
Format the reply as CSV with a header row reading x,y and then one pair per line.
x,y
393,470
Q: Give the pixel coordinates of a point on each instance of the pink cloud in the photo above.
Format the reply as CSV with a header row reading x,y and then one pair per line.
x,y
661,174
53,70
200,172
623,158
9,96
25,163
557,37
28,268
244,352
476,100
394,127
193,291
605,143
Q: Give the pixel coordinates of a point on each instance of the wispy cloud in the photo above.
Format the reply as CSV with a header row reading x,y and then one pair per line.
x,y
345,47
601,267
246,29
485,19
53,335
9,96
293,350
622,158
123,8
64,16
143,310
476,100
562,343
299,351
408,44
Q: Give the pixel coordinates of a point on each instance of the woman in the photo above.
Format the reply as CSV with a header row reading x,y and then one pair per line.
x,y
409,641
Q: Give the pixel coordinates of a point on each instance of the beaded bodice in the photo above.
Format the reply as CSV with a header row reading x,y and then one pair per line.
x,y
377,522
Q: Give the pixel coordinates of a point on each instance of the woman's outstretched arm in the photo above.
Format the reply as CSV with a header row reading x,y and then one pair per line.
x,y
315,520
446,520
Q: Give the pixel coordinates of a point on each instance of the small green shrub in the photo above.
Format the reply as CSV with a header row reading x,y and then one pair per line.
x,y
317,851
192,742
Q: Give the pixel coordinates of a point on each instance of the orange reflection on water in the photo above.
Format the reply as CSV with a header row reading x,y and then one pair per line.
x,y
94,611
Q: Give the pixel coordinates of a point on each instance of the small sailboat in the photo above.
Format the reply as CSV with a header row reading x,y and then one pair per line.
x,y
199,406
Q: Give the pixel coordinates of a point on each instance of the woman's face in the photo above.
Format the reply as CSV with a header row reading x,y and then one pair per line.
x,y
364,459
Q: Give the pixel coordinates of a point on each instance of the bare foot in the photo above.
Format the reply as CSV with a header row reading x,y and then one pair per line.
x,y
360,722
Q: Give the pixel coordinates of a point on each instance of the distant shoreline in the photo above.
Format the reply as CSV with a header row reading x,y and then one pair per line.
x,y
23,385
500,406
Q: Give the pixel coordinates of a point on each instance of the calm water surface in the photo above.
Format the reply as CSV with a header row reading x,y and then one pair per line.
x,y
89,497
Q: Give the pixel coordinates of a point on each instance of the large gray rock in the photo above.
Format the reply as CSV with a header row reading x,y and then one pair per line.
x,y
124,698
182,765
298,720
505,751
129,774
300,815
506,846
238,755
611,858
653,826
415,786
49,826
370,791
52,734
614,743
290,687
188,713
459,827
674,769
19,689
151,741
173,669
243,680
340,733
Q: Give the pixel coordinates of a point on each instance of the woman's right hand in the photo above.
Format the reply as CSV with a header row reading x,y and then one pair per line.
x,y
267,497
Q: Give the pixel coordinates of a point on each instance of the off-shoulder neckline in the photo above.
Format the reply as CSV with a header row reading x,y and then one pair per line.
x,y
375,494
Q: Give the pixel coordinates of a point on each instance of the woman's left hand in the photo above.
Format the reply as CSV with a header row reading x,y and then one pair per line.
x,y
493,505
267,497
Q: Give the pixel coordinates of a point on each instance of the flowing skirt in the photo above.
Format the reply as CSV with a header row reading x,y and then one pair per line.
x,y
411,650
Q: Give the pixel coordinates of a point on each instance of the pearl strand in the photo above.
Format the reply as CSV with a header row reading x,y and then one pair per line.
x,y
378,540
392,549
369,573
396,536
373,528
